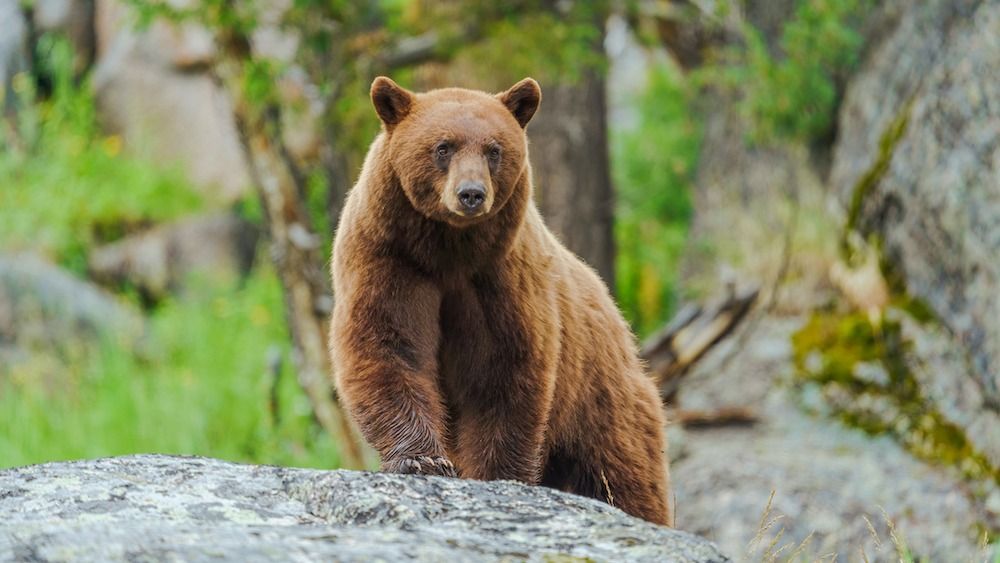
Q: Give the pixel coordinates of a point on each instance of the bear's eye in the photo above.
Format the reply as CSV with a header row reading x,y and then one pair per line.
x,y
493,153
442,150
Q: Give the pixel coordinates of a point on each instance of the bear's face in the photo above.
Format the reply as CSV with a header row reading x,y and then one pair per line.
x,y
458,154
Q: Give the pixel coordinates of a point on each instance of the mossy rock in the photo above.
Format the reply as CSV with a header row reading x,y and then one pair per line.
x,y
839,351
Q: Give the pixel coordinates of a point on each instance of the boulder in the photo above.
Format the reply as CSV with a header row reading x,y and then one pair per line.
x,y
151,507
43,306
917,168
13,49
160,260
827,479
170,114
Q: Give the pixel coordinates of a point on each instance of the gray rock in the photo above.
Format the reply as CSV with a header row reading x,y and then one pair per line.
x,y
13,49
935,201
43,306
162,259
193,509
827,479
174,116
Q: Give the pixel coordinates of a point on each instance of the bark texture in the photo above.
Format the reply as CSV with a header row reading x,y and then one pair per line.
x,y
569,159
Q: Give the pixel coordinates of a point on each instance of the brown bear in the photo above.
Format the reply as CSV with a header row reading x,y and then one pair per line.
x,y
466,339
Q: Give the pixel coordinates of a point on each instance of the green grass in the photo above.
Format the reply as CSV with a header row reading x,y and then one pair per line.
x,y
653,167
200,386
65,185
198,383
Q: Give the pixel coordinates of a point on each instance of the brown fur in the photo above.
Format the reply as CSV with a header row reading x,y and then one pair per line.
x,y
475,343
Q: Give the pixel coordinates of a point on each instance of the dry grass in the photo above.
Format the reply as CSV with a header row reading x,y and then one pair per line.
x,y
778,550
607,489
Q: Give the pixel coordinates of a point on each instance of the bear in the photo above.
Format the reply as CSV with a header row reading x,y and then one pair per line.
x,y
466,340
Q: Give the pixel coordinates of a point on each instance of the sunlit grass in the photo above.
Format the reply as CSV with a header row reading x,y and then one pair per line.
x,y
200,386
653,166
63,184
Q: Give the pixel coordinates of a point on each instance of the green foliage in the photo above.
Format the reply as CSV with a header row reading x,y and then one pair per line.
x,y
66,186
795,96
201,386
653,165
548,45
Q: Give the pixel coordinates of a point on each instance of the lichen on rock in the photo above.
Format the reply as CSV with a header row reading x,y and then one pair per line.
x,y
152,507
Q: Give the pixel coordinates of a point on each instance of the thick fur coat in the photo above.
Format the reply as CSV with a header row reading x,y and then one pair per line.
x,y
466,339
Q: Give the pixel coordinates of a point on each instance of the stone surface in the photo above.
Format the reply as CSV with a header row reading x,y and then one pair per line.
x,y
174,116
826,478
936,204
160,260
826,481
44,307
13,49
153,87
194,509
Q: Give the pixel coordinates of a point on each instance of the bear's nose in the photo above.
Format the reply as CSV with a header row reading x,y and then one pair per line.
x,y
471,195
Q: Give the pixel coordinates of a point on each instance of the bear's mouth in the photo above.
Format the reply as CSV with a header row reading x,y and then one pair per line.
x,y
461,219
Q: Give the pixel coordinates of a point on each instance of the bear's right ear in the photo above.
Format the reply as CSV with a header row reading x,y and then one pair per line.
x,y
392,102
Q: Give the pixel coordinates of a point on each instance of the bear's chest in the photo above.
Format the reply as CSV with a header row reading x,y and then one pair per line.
x,y
484,340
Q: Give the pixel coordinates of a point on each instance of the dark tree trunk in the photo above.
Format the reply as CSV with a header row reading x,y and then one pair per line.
x,y
569,157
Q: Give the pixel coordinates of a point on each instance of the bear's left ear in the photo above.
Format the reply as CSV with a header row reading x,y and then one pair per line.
x,y
392,102
522,100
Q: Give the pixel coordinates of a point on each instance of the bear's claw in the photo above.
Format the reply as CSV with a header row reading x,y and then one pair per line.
x,y
421,465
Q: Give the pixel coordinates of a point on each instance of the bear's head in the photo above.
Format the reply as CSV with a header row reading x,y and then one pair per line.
x,y
459,154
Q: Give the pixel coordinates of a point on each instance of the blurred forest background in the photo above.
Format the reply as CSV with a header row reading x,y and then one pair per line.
x,y
171,173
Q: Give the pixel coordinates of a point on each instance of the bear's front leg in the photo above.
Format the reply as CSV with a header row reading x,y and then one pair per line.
x,y
384,340
503,440
506,395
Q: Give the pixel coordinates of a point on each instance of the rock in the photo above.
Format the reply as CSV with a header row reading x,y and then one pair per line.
x,y
44,307
194,509
162,259
941,368
826,478
917,166
173,116
13,50
154,87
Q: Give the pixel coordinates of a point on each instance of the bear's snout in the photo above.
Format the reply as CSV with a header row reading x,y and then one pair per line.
x,y
471,195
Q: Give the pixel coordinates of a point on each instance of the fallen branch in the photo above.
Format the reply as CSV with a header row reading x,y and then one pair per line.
x,y
725,416
670,353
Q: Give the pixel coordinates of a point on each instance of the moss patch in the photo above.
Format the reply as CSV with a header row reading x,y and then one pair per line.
x,y
890,138
862,372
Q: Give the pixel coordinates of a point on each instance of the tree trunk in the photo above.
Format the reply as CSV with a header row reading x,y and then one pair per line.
x,y
294,245
569,158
